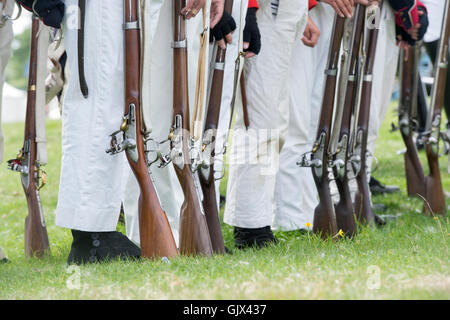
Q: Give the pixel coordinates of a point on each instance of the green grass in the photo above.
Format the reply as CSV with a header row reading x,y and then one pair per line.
x,y
407,259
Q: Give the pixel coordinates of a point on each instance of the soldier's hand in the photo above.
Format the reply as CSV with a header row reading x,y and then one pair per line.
x,y
311,34
216,12
252,36
192,8
223,30
343,8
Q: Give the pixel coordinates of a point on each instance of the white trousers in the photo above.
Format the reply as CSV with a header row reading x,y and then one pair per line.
x,y
385,67
253,158
92,181
6,37
295,192
239,12
157,100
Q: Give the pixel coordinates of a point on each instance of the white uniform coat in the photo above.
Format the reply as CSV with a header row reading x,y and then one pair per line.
x,y
295,193
435,10
6,37
253,158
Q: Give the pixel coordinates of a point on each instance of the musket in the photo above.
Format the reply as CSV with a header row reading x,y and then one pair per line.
x,y
363,206
207,179
194,233
155,234
324,215
244,101
345,216
409,73
33,178
434,192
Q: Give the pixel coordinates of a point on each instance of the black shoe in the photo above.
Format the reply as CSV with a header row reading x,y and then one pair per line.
x,y
228,251
222,201
89,247
3,258
258,238
381,221
376,187
381,207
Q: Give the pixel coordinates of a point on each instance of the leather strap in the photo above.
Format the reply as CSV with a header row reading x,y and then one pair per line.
x,y
244,101
81,74
200,84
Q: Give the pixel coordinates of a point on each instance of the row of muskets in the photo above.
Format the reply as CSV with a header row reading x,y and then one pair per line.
x,y
200,230
340,151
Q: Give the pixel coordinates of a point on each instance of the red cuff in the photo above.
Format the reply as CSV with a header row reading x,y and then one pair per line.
x,y
312,4
407,17
253,4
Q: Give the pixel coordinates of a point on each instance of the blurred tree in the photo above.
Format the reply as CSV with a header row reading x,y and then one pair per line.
x,y
17,69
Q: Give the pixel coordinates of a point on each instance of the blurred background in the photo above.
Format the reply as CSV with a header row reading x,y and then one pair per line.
x,y
14,91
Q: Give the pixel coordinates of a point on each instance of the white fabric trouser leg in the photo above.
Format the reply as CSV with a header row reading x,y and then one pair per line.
x,y
6,37
295,191
227,90
91,180
157,101
253,158
385,67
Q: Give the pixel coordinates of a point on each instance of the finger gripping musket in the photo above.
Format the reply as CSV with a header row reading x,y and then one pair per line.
x,y
32,176
155,234
434,192
194,233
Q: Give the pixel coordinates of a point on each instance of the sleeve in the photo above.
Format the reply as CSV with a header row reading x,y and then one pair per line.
x,y
407,12
407,17
253,4
51,12
312,4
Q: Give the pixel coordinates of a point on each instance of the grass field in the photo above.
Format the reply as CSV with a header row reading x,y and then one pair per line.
x,y
407,259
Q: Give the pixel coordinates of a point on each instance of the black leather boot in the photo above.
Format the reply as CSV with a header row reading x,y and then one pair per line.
x,y
89,247
3,258
376,187
258,237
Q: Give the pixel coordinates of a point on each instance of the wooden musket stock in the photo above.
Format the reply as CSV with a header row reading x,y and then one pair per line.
x,y
194,234
363,206
345,216
207,179
36,238
415,177
434,192
155,233
324,216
